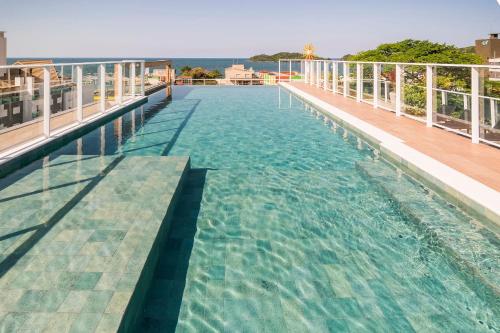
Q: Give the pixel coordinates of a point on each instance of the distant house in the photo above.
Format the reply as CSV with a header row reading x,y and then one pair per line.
x,y
183,80
488,48
237,74
36,72
489,51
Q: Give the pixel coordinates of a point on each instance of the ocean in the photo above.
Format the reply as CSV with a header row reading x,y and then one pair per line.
x,y
209,63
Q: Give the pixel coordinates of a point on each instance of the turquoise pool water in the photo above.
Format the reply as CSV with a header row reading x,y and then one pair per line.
x,y
290,223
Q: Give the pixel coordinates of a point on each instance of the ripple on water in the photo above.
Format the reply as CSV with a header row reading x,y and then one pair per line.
x,y
290,236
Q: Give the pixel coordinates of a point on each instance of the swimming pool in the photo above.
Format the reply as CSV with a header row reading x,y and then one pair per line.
x,y
290,223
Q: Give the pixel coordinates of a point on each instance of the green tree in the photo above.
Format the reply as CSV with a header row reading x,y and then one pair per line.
x,y
213,74
185,69
422,51
410,50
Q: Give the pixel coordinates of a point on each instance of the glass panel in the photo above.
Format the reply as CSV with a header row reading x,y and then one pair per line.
x,y
352,80
62,98
413,91
367,83
137,79
328,78
21,105
340,77
111,88
489,104
387,87
90,90
453,98
127,81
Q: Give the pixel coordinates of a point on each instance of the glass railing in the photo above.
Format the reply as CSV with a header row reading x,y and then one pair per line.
x,y
460,98
43,99
21,105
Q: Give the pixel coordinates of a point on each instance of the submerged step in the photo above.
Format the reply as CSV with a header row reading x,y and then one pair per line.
x,y
470,243
80,238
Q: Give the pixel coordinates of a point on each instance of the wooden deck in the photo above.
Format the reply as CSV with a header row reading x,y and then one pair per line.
x,y
478,161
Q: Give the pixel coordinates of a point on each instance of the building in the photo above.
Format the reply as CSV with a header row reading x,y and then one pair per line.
x,y
488,48
21,88
494,72
3,52
239,75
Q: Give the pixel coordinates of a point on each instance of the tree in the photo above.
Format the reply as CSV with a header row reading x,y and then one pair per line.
x,y
422,51
213,74
185,69
410,50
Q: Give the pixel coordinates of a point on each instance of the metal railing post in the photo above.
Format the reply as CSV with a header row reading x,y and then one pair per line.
x,y
429,94
493,112
318,73
102,78
311,72
399,72
346,78
306,71
143,91
279,71
359,82
444,98
290,71
46,102
376,74
119,68
325,75
132,79
335,76
386,90
79,93
475,104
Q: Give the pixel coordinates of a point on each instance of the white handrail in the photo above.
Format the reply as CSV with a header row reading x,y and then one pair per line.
x,y
429,75
403,63
68,64
50,106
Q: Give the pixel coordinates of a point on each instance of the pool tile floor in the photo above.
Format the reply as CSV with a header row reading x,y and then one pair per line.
x,y
75,235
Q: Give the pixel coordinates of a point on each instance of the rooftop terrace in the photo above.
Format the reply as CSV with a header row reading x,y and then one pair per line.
x,y
330,202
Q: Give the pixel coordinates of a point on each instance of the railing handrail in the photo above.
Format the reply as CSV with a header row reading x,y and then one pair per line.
x,y
326,74
70,64
399,63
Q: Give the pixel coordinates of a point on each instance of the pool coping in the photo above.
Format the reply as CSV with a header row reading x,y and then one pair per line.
x,y
23,154
476,198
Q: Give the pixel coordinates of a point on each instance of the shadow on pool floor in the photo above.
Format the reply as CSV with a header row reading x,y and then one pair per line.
x,y
164,301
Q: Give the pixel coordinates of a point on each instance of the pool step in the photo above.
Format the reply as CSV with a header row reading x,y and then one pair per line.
x,y
80,239
471,244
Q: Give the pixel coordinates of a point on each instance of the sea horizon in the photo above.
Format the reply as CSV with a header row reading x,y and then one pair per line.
x,y
209,63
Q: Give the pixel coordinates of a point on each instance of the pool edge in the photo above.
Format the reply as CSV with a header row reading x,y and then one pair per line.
x,y
455,186
23,157
133,315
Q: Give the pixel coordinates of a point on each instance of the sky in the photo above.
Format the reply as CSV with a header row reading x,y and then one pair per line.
x,y
235,28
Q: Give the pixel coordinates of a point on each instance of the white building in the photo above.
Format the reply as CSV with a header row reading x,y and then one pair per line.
x,y
3,52
494,72
239,72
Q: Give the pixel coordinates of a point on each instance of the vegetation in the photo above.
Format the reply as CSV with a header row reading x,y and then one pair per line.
x,y
281,55
200,73
468,49
410,50
418,51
